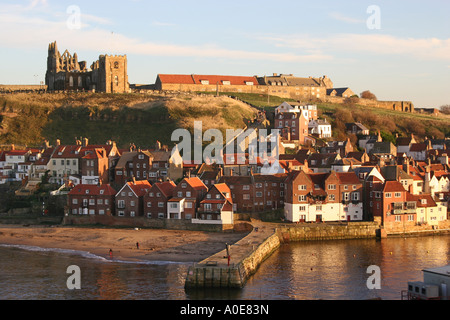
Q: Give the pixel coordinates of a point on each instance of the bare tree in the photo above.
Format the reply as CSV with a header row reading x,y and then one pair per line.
x,y
445,109
368,95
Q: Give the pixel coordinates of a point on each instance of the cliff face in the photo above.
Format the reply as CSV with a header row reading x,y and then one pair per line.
x,y
29,119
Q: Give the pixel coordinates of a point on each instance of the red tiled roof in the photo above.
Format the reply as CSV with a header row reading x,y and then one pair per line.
x,y
196,183
224,189
418,147
213,79
393,186
348,178
16,152
166,187
140,187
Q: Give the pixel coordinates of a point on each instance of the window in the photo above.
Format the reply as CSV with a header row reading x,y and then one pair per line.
x,y
246,187
246,197
132,214
397,195
346,196
132,203
121,204
318,208
121,213
410,217
207,206
99,201
188,205
259,194
331,187
302,187
149,204
302,208
188,194
180,194
302,198
174,205
75,201
160,204
398,218
91,202
388,195
355,196
331,197
116,80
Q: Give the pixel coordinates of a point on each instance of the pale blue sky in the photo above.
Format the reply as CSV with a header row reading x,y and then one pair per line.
x,y
407,58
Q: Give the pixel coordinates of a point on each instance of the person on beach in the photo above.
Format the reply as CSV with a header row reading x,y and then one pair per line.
x,y
137,245
110,253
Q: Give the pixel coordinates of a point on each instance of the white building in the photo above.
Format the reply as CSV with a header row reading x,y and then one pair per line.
x,y
320,127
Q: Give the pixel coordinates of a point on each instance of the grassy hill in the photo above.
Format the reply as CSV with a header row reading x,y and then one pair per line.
x,y
389,122
28,119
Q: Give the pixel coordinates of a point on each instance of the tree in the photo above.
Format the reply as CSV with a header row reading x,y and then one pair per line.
x,y
368,95
445,109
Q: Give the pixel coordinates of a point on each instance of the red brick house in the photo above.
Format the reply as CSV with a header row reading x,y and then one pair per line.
x,y
133,164
186,198
242,191
320,197
155,201
293,126
130,199
217,205
92,200
95,167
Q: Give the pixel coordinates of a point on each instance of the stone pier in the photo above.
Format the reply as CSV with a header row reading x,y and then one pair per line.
x,y
247,255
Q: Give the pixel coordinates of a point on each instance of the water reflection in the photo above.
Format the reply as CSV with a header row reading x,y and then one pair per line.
x,y
337,270
331,270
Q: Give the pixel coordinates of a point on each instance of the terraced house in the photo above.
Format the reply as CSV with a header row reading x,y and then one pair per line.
x,y
155,201
130,198
186,198
92,200
322,197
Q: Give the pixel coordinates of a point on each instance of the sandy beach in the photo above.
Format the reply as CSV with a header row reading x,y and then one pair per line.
x,y
154,244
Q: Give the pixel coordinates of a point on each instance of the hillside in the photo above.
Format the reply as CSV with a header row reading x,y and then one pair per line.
x,y
29,119
389,122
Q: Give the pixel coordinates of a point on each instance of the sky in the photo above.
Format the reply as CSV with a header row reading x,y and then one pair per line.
x,y
399,50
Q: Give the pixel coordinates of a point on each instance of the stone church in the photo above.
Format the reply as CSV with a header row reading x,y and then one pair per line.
x,y
64,72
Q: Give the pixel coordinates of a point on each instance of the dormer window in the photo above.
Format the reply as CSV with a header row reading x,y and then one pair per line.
x,y
226,82
204,82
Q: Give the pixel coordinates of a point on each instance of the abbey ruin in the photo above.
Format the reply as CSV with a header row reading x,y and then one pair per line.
x,y
64,72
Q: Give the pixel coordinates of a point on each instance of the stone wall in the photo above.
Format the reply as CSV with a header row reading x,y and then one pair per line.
x,y
304,232
405,228
404,106
142,222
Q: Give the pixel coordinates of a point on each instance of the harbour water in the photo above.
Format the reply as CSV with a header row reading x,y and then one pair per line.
x,y
328,270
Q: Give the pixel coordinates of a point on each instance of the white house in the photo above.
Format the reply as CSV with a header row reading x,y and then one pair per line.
x,y
320,127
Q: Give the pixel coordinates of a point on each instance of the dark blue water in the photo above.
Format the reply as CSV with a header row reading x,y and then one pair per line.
x,y
330,270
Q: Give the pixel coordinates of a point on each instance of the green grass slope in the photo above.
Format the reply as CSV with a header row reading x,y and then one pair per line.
x,y
28,119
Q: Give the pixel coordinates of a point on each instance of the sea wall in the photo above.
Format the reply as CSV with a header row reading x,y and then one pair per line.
x,y
354,230
142,222
211,274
